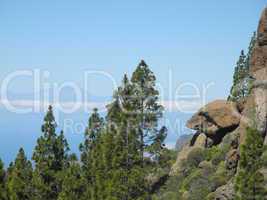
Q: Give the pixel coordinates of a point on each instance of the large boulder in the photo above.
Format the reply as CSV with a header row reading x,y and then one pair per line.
x,y
216,119
199,140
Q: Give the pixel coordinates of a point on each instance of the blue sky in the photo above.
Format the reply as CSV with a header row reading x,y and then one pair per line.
x,y
197,41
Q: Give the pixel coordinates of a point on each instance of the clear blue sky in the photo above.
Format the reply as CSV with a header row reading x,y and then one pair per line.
x,y
199,41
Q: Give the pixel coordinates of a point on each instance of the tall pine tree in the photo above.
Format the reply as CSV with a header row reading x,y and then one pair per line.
x,y
239,90
242,81
50,156
127,176
91,155
20,178
147,109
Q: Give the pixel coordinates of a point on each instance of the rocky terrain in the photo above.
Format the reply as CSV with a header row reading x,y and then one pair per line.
x,y
222,124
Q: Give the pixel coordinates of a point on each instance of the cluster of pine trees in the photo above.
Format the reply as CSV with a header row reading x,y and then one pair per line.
x,y
241,79
249,183
115,155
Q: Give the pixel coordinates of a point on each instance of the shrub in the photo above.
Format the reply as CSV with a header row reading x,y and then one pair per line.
x,y
216,154
220,177
264,158
211,196
196,156
170,190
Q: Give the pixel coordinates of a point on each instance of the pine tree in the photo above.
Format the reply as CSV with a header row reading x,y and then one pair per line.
x,y
91,154
104,173
73,183
92,132
239,89
50,156
249,182
147,109
115,158
3,193
127,176
242,82
19,178
10,168
113,152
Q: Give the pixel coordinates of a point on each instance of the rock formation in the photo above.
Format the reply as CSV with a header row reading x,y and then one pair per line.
x,y
225,192
216,119
258,70
262,29
222,118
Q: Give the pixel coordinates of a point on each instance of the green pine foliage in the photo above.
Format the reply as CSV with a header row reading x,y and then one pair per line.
x,y
91,154
242,81
147,109
50,156
20,178
113,150
3,191
127,176
239,88
249,182
73,182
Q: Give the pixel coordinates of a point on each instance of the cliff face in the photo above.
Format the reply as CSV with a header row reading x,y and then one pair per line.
x,y
223,123
258,70
262,29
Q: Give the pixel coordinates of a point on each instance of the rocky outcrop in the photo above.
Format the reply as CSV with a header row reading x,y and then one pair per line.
x,y
224,123
262,29
258,70
212,123
232,159
216,119
225,192
199,139
181,158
